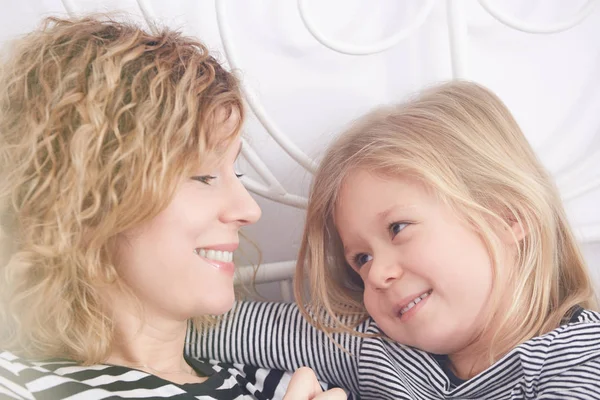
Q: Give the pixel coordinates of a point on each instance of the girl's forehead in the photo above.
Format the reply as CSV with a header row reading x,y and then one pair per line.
x,y
372,184
366,195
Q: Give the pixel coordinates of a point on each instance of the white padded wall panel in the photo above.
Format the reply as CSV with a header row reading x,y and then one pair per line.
x,y
305,92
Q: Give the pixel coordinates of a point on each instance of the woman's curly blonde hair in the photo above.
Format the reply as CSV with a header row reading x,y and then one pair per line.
x,y
99,122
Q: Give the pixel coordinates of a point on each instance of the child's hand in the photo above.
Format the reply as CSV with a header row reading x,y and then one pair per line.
x,y
304,386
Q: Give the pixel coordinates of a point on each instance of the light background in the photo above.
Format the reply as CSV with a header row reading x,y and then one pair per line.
x,y
309,92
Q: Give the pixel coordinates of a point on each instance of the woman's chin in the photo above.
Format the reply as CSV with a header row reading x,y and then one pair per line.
x,y
221,306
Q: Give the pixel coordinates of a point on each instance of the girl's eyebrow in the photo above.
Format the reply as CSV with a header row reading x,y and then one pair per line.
x,y
383,215
347,254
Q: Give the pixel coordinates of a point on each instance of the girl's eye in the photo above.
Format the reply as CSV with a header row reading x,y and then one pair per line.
x,y
239,175
361,259
206,179
396,227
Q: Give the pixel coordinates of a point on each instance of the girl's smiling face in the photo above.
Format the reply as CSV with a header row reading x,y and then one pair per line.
x,y
427,274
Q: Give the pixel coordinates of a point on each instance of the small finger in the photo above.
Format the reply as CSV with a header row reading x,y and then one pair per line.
x,y
332,394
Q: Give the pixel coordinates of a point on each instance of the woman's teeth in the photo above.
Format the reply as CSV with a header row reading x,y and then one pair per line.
x,y
216,255
414,302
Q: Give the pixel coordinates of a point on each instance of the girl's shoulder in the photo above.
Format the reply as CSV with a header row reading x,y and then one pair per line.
x,y
565,357
581,333
585,316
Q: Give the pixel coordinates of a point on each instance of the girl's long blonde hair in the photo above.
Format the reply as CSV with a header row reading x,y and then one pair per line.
x,y
99,122
459,139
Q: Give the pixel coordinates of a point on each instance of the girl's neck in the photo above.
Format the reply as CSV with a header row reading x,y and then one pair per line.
x,y
465,365
474,358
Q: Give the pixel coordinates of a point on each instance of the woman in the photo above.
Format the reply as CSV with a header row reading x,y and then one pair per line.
x,y
120,214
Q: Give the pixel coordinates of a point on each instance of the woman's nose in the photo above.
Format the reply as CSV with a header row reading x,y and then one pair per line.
x,y
241,207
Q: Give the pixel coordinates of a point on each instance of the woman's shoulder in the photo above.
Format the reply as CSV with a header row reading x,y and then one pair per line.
x,y
58,379
22,378
11,363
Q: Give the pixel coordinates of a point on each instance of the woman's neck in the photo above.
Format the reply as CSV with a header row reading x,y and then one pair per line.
x,y
152,343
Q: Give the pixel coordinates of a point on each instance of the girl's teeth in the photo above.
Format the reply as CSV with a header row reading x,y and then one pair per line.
x,y
414,302
217,255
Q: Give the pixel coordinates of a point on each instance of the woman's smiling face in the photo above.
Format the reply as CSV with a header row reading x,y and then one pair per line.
x,y
179,264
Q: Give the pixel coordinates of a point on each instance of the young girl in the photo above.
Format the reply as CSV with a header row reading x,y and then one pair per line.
x,y
120,209
438,256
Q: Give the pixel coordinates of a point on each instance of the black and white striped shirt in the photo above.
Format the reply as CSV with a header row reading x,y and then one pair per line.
x,y
61,379
562,364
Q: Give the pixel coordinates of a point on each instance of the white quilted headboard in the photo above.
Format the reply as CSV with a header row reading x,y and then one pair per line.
x,y
311,66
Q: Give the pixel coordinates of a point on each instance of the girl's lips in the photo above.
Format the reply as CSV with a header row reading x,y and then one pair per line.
x,y
406,301
413,305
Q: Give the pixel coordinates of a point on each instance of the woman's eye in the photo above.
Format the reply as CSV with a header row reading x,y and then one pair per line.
x,y
361,259
396,227
236,167
206,179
